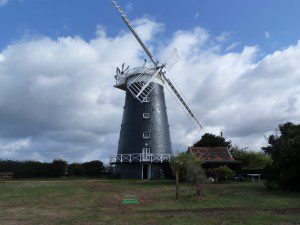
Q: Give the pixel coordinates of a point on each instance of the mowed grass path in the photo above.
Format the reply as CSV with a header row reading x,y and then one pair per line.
x,y
100,202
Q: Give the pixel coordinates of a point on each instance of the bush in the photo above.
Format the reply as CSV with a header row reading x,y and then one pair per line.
x,y
195,175
223,173
93,168
58,168
25,169
250,159
76,169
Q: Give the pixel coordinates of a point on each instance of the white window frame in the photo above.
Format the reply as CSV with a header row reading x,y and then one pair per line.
x,y
146,150
146,115
146,135
147,99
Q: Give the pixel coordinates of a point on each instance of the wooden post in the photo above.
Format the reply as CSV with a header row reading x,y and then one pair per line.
x,y
177,186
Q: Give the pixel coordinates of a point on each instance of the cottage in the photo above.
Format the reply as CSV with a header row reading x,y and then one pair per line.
x,y
214,157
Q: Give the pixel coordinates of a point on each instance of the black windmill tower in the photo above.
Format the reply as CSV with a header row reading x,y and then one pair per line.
x,y
145,146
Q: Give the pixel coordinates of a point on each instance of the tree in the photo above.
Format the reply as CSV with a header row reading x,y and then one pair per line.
x,y
76,169
250,159
284,150
211,140
195,174
58,168
93,168
109,169
189,167
178,165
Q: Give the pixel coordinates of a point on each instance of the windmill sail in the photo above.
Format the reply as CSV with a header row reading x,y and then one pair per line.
x,y
141,88
171,59
182,101
133,31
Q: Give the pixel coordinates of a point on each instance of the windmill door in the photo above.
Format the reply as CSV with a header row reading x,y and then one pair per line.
x,y
146,154
146,171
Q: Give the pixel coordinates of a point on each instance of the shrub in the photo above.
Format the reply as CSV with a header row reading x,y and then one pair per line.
x,y
195,175
93,168
58,168
25,169
76,169
109,169
250,159
223,173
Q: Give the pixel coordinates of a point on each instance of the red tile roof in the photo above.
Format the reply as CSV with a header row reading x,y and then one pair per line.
x,y
211,153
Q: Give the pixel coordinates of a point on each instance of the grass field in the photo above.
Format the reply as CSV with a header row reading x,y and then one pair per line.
x,y
100,202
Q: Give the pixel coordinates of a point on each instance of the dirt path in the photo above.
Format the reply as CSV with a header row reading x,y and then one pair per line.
x,y
284,211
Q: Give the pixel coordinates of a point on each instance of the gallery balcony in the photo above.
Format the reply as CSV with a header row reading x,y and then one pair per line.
x,y
140,158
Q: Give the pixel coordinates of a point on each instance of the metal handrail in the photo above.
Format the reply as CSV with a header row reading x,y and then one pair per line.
x,y
140,157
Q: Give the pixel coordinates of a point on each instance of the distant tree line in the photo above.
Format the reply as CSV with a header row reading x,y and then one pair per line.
x,y
57,168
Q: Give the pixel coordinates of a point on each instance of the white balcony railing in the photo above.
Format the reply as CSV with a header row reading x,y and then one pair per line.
x,y
140,157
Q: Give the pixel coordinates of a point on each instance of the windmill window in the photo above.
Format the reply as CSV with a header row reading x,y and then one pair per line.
x,y
146,135
146,115
146,150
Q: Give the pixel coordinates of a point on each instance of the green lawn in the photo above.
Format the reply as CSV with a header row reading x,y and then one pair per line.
x,y
100,202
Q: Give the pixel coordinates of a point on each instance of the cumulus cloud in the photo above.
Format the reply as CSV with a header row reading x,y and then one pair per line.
x,y
223,36
57,98
232,46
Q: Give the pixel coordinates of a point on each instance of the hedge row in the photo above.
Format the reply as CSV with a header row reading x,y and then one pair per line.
x,y
57,168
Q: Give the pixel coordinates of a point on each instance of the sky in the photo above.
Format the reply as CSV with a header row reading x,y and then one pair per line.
x,y
239,71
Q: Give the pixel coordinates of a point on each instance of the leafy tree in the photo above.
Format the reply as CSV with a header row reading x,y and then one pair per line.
x,y
76,169
25,169
93,168
58,168
109,169
195,174
284,149
250,159
211,140
187,166
178,165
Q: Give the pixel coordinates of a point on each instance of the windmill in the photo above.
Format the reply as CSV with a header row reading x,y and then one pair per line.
x,y
145,146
